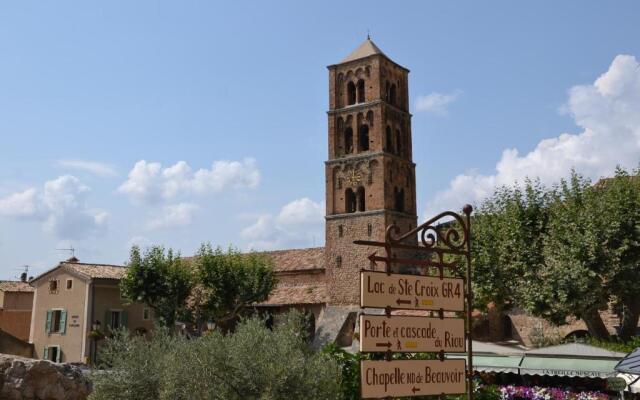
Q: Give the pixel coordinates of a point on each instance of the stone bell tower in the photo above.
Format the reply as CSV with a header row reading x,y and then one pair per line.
x,y
370,175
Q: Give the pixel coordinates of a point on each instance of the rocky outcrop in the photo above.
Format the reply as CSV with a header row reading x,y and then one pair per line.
x,y
25,378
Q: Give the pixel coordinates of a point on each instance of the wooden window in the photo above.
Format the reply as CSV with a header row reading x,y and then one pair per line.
x,y
339,261
52,353
340,231
69,284
115,319
53,286
56,321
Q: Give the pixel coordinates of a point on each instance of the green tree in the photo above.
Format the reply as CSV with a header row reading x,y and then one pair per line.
x,y
159,279
230,281
572,283
508,232
620,206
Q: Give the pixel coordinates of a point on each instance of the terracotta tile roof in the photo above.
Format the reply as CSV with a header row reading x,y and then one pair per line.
x,y
96,271
297,259
297,294
15,286
366,49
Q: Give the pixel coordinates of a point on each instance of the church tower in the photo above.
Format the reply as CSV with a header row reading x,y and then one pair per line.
x,y
370,175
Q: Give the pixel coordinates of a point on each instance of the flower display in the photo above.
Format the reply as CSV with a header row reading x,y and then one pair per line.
x,y
541,393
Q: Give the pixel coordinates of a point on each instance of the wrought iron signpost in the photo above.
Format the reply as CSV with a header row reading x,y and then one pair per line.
x,y
436,292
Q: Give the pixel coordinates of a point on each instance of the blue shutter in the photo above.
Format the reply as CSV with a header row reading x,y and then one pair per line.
x,y
63,321
47,326
45,353
59,355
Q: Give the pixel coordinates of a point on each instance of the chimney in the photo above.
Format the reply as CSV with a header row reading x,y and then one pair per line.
x,y
23,277
72,260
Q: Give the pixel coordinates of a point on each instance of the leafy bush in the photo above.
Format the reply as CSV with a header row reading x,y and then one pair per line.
x,y
252,363
616,344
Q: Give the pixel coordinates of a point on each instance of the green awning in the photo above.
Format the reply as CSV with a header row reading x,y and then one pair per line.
x,y
507,364
558,366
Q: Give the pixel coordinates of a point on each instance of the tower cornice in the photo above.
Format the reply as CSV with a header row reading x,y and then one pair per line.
x,y
366,156
359,60
369,104
370,213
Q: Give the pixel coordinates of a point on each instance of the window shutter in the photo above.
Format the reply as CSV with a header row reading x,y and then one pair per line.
x,y
107,319
47,327
124,319
63,321
45,353
59,355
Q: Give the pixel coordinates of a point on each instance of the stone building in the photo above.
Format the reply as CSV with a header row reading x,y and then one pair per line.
x,y
370,184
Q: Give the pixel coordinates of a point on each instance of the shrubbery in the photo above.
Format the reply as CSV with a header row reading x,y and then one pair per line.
x,y
252,363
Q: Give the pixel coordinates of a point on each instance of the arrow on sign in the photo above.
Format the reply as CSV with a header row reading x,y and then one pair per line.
x,y
387,345
416,302
403,301
415,389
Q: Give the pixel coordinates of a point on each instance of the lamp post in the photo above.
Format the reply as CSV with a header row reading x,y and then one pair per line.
x,y
95,331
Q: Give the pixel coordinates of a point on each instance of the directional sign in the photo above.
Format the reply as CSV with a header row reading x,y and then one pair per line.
x,y
411,334
413,292
411,378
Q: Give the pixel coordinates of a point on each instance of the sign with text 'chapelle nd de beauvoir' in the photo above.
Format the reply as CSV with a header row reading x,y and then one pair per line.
x,y
417,292
412,378
411,334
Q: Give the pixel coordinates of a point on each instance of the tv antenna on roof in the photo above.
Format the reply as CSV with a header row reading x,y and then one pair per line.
x,y
70,250
25,272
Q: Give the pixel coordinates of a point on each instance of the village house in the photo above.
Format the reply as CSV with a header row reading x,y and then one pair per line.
x,y
72,300
16,302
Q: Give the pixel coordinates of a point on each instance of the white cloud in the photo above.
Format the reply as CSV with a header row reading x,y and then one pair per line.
x,y
149,183
299,223
61,206
96,168
20,205
174,216
607,112
437,103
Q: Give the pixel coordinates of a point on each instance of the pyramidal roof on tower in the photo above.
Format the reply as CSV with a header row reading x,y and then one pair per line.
x,y
366,49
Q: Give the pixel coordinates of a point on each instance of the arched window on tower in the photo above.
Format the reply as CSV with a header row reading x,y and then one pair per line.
x,y
361,91
350,201
392,94
389,140
351,93
363,138
361,199
398,142
399,199
348,141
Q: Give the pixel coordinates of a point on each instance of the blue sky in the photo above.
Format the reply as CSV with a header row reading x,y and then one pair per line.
x,y
238,92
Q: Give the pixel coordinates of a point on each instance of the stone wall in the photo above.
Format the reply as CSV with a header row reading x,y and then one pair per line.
x,y
28,379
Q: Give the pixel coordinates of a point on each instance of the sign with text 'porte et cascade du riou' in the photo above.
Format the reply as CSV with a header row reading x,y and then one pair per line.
x,y
411,334
391,333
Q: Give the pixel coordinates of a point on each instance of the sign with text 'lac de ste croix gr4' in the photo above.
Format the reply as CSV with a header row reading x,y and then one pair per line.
x,y
382,290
